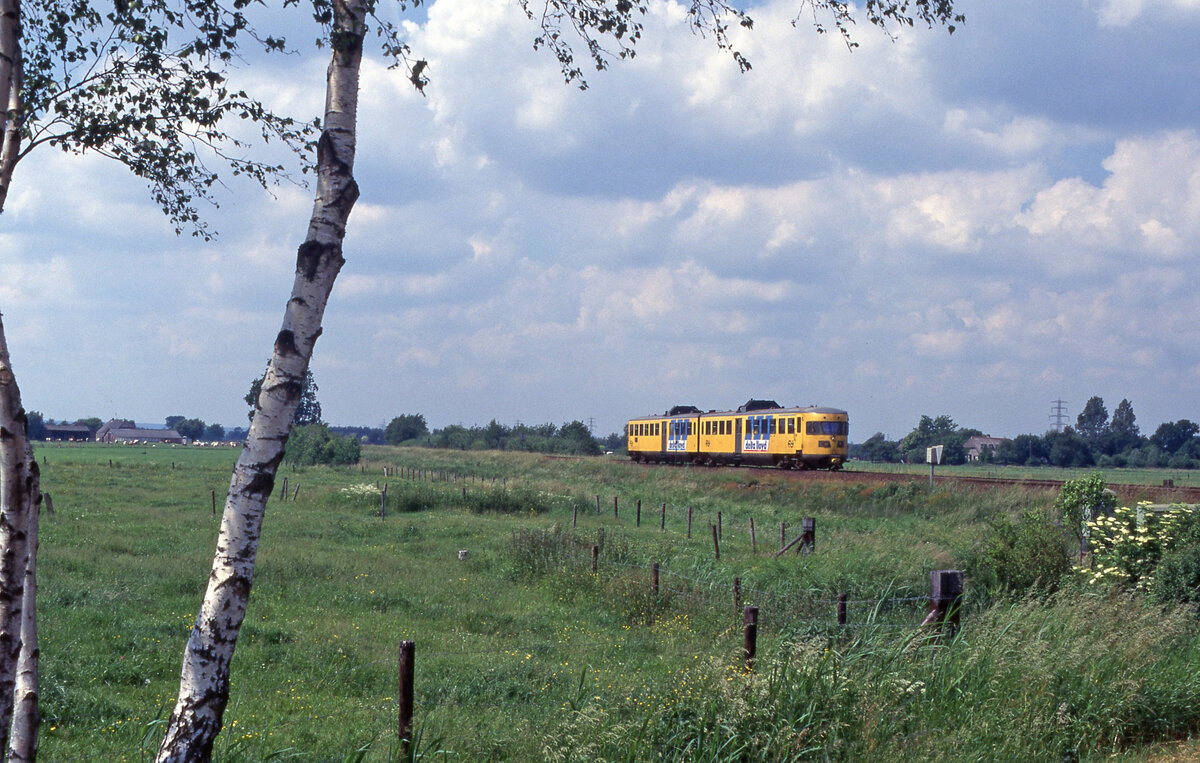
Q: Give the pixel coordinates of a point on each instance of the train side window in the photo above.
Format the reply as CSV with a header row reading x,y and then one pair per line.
x,y
791,426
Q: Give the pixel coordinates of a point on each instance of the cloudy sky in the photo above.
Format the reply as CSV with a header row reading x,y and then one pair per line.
x,y
974,224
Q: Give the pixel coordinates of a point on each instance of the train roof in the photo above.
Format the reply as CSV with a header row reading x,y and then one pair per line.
x,y
739,412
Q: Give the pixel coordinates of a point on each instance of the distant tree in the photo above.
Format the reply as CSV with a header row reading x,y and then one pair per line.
x,y
935,431
1092,425
307,412
879,449
173,422
1025,449
237,434
1068,448
92,423
454,436
495,434
1171,436
372,435
579,439
37,427
408,426
614,442
193,429
1123,429
214,432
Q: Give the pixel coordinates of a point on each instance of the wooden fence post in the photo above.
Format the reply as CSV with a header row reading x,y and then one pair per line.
x,y
615,514
719,533
809,534
662,522
654,580
214,502
750,640
716,543
689,534
753,540
574,517
407,656
639,513
383,502
595,557
945,600
841,610
284,493
597,504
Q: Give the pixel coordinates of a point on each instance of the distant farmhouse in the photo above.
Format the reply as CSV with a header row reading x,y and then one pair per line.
x,y
977,444
68,433
124,430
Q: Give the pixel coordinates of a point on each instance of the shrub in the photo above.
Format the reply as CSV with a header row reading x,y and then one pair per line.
x,y
315,444
1020,555
1129,544
1081,500
1177,578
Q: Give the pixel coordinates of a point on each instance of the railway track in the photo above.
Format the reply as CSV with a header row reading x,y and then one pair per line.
x,y
1126,493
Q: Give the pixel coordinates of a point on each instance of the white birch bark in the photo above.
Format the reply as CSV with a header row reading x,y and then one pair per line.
x,y
204,683
27,718
11,136
10,90
18,493
10,45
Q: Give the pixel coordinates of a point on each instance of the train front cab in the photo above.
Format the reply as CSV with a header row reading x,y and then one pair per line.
x,y
823,444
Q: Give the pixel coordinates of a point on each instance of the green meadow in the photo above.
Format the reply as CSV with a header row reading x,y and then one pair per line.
x,y
524,653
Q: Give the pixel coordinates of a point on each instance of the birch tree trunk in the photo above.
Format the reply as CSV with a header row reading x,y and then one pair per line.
x,y
27,719
204,684
18,494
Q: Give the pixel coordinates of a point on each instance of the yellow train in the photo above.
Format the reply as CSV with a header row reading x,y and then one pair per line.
x,y
757,433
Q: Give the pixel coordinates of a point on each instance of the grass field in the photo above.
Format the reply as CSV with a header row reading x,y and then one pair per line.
x,y
524,654
1150,477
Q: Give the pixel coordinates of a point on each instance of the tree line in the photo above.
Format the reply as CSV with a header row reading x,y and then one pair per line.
x,y
1096,439
572,438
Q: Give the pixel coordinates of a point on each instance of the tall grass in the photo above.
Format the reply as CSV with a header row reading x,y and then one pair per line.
x,y
1075,677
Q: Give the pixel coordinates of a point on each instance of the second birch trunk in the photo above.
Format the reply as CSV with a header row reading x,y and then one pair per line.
x,y
205,680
